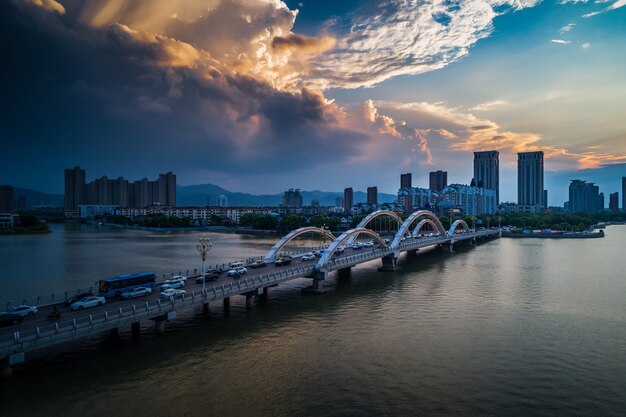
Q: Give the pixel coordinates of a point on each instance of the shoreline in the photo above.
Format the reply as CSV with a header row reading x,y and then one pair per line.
x,y
215,229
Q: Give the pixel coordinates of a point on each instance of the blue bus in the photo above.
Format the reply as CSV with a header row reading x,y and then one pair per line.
x,y
113,287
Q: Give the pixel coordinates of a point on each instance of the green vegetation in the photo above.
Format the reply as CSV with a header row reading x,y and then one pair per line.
x,y
555,221
259,221
28,225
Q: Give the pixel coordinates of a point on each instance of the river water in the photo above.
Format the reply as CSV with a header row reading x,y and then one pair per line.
x,y
510,327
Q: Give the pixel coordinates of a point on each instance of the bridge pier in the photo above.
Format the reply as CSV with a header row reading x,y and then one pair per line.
x,y
318,285
205,309
263,297
135,328
389,263
226,304
250,300
447,247
5,369
159,325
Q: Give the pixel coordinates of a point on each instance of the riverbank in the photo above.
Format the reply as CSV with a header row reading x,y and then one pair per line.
x,y
559,235
215,229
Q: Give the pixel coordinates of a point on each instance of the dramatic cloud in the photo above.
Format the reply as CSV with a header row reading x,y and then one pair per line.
x,y
468,133
400,37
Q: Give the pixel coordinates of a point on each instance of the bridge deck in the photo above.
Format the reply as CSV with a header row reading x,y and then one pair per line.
x,y
37,332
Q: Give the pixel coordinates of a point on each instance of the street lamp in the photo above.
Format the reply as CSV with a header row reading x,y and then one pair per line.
x,y
204,246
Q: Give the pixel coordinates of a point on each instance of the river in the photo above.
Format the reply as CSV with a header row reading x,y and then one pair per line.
x,y
511,327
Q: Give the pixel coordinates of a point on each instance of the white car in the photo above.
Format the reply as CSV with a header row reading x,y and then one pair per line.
x,y
172,284
340,249
88,302
136,292
180,278
237,271
171,293
357,246
308,257
24,310
368,244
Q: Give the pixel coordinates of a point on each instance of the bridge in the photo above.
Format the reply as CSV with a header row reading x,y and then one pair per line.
x,y
421,229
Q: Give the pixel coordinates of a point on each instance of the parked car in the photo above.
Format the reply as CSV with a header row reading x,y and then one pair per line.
x,y
77,297
208,276
7,319
172,283
258,263
308,257
284,260
136,292
88,302
171,293
237,271
23,310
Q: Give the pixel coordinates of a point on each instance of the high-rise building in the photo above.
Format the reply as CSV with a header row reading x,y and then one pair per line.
x,y
74,188
167,189
585,197
624,194
473,201
292,198
315,203
372,196
530,181
405,180
348,199
438,180
6,199
614,202
487,171
120,192
545,199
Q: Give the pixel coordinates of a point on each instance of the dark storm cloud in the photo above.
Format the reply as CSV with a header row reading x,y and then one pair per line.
x,y
114,98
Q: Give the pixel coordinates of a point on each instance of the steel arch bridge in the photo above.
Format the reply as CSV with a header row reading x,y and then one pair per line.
x,y
422,223
345,237
456,224
411,219
370,217
271,255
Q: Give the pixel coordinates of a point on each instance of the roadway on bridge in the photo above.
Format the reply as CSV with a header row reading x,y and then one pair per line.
x,y
112,304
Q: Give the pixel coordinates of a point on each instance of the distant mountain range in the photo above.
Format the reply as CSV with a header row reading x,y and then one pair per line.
x,y
37,198
206,194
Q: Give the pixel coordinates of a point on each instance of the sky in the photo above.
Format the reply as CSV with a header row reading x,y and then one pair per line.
x,y
261,95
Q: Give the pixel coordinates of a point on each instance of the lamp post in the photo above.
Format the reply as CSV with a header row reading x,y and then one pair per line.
x,y
203,246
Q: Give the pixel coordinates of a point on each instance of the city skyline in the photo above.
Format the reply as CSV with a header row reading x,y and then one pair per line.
x,y
303,105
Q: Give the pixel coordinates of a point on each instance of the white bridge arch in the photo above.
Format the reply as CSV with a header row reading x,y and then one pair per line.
x,y
456,224
373,215
422,223
350,234
411,219
271,255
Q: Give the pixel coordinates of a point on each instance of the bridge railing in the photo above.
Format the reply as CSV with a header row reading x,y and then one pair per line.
x,y
78,327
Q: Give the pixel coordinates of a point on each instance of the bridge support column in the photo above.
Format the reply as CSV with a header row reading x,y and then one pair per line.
x,y
159,325
205,309
135,328
5,369
447,247
318,286
266,291
250,300
473,241
389,263
226,304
